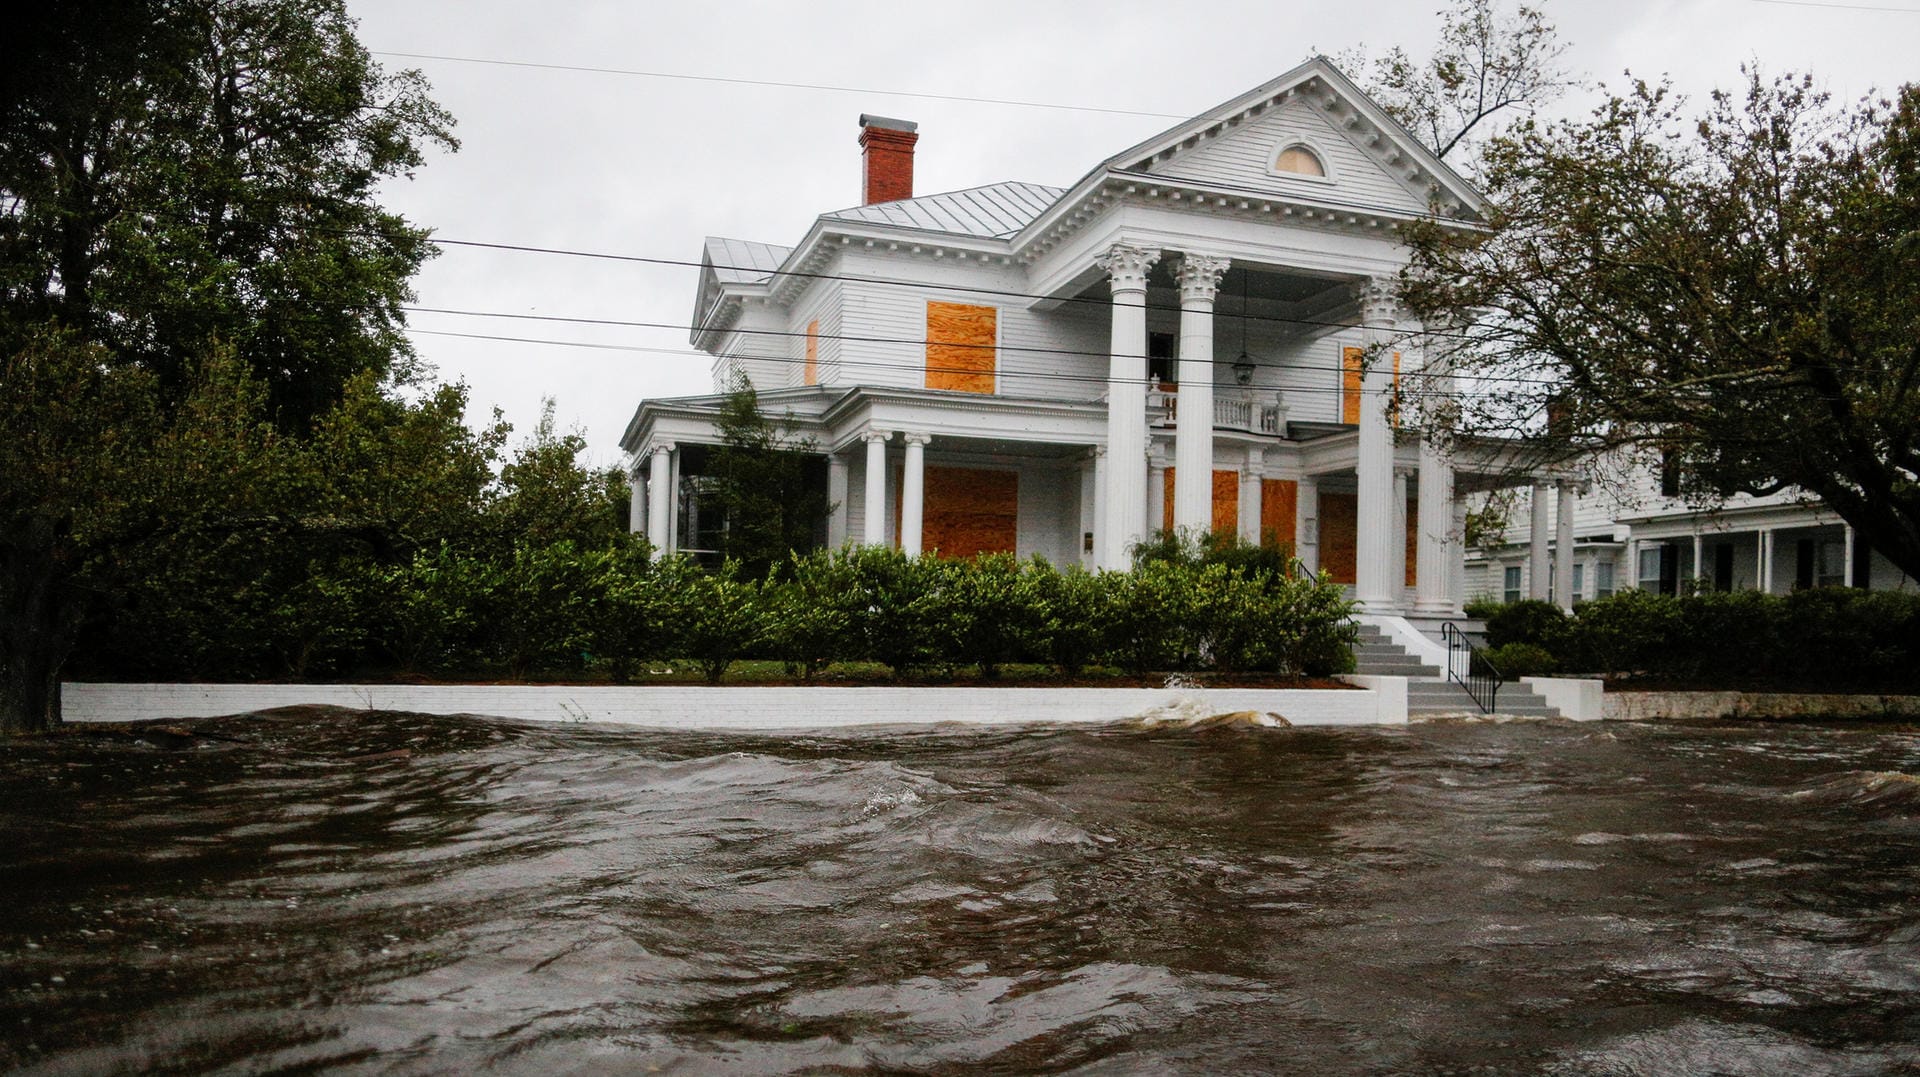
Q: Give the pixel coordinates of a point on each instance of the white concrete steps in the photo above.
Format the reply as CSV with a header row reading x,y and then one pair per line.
x,y
1429,691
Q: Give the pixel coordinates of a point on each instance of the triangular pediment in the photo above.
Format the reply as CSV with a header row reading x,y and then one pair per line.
x,y
1369,159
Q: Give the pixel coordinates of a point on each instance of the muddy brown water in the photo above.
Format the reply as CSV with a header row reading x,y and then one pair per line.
x,y
392,893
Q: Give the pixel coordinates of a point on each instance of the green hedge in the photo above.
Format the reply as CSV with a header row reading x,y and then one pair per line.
x,y
558,610
1828,639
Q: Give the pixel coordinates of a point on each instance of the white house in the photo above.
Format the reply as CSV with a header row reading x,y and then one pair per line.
x,y
1634,529
1200,332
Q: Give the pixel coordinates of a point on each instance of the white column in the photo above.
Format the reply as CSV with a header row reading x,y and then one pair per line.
x,y
1374,587
1103,508
873,523
1694,573
1457,559
659,497
1847,554
1537,570
837,488
1199,277
1306,522
1398,555
1434,547
1156,490
1250,492
1563,548
636,502
913,491
1766,561
1120,494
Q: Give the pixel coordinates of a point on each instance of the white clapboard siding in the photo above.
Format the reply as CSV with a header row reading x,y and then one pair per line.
x,y
1241,158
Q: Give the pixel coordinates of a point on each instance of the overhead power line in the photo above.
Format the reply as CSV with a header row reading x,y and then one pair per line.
x,y
1841,7
773,84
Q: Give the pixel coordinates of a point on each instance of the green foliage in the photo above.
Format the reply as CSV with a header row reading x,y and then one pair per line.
x,y
1527,621
1480,609
1734,290
758,480
547,495
182,176
434,606
631,620
1515,660
1074,608
717,618
993,611
811,616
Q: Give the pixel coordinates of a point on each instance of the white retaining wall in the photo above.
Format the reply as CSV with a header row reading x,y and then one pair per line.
x,y
698,707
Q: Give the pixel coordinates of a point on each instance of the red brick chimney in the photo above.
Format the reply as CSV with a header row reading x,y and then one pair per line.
x,y
886,152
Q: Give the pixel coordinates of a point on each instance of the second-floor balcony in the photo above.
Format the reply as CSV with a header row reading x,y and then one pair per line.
x,y
1254,411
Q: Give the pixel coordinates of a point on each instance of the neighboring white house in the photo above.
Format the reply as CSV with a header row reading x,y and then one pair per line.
x,y
1632,529
1186,336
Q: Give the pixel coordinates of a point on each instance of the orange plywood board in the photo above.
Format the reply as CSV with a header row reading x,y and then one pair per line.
x,y
960,347
812,369
1413,540
1279,504
1338,516
1226,501
971,511
1351,360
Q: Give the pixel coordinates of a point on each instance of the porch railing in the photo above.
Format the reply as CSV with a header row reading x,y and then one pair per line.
x,y
1231,410
1470,669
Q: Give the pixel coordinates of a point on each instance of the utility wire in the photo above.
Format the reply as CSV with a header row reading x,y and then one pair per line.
x,y
1842,7
923,342
824,87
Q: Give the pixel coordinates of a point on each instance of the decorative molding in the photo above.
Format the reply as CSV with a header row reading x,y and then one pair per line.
x,y
1199,276
1379,299
1126,266
916,439
879,436
662,447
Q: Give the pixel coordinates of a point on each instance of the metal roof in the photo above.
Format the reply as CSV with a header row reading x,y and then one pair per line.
x,y
742,261
997,210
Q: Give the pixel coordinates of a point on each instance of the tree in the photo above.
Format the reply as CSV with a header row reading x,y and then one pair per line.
x,y
180,173
759,480
548,496
1737,293
95,468
1487,67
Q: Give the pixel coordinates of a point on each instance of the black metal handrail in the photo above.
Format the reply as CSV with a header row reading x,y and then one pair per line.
x,y
1470,669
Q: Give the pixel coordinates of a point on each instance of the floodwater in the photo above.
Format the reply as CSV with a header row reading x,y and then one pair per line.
x,y
390,893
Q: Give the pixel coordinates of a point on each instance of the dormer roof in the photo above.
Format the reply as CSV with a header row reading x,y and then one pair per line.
x,y
995,211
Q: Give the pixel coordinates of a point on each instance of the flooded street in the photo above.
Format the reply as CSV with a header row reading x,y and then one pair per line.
x,y
394,893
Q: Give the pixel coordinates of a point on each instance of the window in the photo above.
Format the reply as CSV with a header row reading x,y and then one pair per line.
x,y
1510,584
1579,582
1300,161
1832,564
811,371
1650,569
1603,579
1353,363
1670,473
1162,371
961,347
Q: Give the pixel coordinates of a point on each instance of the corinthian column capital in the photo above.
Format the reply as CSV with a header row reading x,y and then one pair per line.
x,y
1199,276
1127,265
1379,302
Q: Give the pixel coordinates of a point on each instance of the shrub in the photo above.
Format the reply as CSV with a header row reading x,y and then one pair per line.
x,y
1516,660
990,610
1073,607
1321,630
810,623
717,619
1483,608
1150,617
1531,621
1629,631
631,621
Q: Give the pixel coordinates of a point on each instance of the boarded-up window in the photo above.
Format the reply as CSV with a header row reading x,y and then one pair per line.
x,y
960,347
1279,504
1413,541
1226,501
1299,159
810,374
1339,514
1352,361
970,510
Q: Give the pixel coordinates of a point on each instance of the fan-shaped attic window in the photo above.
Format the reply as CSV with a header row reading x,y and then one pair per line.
x,y
1300,161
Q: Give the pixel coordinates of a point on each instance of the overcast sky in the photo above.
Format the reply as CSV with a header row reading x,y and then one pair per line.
x,y
647,166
